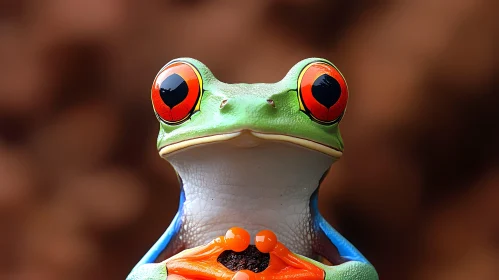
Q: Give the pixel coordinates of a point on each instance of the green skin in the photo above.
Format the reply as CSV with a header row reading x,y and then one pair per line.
x,y
245,111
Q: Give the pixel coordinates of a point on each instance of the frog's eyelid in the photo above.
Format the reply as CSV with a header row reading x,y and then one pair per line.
x,y
299,71
179,60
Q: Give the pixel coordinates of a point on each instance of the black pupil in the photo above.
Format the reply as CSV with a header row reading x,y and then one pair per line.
x,y
173,90
326,90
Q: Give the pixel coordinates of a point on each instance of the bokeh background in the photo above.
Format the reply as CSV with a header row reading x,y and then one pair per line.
x,y
83,193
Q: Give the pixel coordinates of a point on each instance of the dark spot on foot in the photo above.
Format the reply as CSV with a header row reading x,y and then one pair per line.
x,y
250,259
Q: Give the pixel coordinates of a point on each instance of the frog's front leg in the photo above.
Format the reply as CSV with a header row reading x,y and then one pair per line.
x,y
146,268
351,264
186,263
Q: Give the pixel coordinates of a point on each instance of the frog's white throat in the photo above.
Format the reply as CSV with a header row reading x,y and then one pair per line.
x,y
263,186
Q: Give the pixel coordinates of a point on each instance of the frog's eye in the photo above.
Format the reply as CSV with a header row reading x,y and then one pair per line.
x,y
176,92
322,92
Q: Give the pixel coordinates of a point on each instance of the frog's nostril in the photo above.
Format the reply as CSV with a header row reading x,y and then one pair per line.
x,y
223,103
271,102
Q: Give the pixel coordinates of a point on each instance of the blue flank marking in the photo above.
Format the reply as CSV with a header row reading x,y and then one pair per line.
x,y
345,248
165,239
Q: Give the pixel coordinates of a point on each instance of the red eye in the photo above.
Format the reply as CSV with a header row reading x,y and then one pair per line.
x,y
176,92
322,92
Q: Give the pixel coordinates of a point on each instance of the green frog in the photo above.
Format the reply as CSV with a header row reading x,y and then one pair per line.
x,y
251,156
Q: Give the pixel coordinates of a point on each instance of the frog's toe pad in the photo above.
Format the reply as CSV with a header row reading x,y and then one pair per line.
x,y
150,271
244,275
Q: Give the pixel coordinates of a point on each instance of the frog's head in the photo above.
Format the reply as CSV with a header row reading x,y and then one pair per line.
x,y
304,108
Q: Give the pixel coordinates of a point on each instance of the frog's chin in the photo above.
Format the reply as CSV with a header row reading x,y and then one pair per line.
x,y
249,139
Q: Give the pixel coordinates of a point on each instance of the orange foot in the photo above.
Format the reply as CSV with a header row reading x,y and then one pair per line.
x,y
201,262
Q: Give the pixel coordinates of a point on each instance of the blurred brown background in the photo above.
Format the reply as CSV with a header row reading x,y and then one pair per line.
x,y
83,193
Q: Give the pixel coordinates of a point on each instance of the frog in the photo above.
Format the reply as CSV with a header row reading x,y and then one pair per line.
x,y
250,157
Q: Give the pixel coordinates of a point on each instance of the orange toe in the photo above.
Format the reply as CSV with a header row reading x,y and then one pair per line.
x,y
202,262
265,241
237,239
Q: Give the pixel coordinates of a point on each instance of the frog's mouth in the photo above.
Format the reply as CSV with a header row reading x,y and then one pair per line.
x,y
249,139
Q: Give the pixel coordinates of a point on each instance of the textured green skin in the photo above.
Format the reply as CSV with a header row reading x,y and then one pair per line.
x,y
350,270
247,108
150,271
